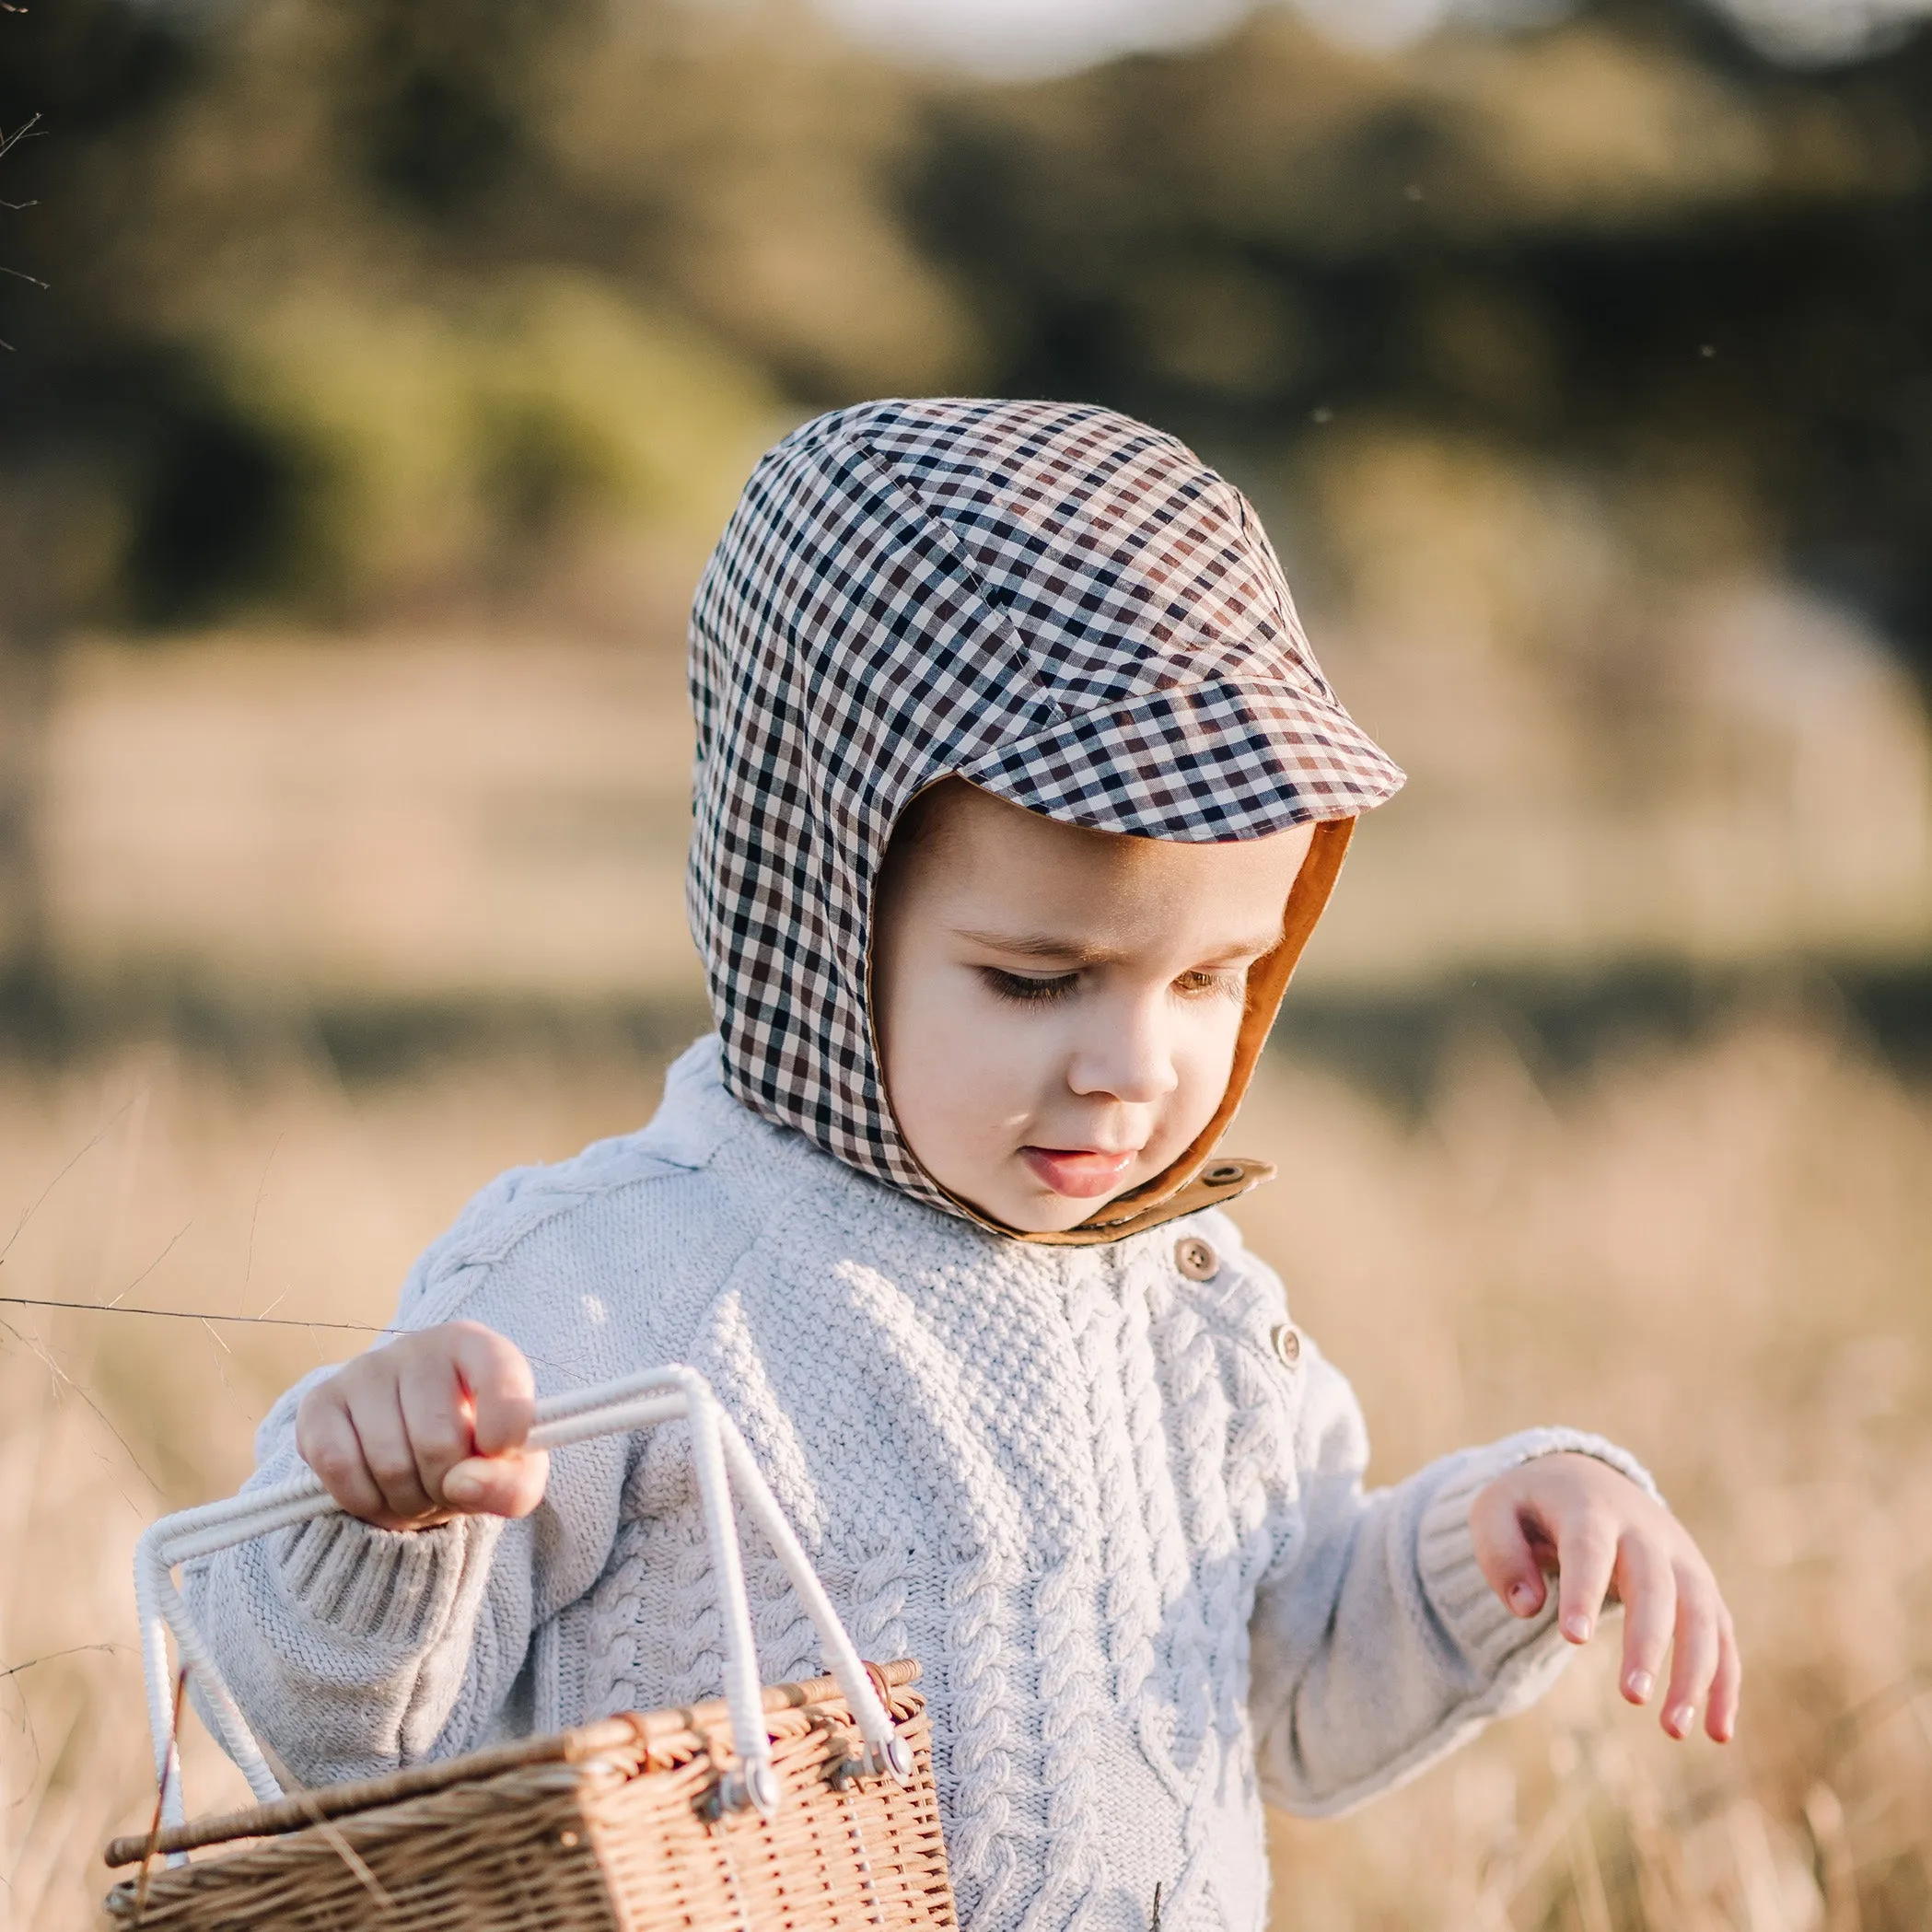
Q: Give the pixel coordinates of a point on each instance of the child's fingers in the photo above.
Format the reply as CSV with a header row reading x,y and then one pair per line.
x,y
1720,1720
436,1421
1505,1553
380,1428
1648,1589
1586,1557
499,1485
327,1441
1693,1663
502,1393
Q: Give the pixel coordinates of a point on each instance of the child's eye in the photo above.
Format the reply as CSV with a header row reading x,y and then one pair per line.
x,y
1212,985
1025,992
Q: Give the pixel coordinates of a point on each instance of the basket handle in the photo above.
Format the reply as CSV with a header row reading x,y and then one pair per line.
x,y
634,1402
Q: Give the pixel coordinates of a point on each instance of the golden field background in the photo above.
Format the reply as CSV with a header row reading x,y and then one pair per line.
x,y
1717,1252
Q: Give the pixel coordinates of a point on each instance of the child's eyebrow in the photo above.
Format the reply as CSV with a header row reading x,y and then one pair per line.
x,y
1074,954
1042,946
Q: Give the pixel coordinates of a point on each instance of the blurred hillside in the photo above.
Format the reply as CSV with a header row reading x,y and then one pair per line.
x,y
398,363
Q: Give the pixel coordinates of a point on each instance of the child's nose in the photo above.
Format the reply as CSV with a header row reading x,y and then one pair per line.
x,y
1128,1057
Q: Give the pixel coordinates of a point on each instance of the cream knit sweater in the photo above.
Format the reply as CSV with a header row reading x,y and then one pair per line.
x,y
1115,1511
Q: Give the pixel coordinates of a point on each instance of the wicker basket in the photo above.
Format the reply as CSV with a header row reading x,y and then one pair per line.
x,y
802,1807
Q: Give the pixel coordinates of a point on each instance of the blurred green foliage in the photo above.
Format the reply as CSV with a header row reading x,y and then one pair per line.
x,y
359,305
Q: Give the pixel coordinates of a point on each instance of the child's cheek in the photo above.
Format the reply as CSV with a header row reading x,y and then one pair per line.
x,y
1002,1059
961,1063
1204,1059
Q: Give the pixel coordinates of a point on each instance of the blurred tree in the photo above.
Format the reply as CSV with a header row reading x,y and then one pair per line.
x,y
1626,239
440,104
328,252
91,76
302,248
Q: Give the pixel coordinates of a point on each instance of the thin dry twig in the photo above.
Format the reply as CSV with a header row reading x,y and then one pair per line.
x,y
107,1126
7,143
10,142
120,1307
205,1317
45,1356
167,1764
248,1273
52,1656
331,1833
149,1269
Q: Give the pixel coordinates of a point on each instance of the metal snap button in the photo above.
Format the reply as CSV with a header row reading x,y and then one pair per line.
x,y
1286,1343
1196,1259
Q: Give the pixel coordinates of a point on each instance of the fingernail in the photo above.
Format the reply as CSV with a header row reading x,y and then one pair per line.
x,y
1681,1719
1577,1628
1639,1684
1522,1599
462,1485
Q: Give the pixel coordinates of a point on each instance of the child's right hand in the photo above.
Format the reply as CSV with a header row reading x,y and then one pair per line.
x,y
429,1428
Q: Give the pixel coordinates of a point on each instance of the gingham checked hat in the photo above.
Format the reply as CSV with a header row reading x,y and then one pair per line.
x,y
1049,599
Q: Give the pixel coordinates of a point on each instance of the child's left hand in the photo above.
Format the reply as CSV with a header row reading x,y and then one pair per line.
x,y
1598,1532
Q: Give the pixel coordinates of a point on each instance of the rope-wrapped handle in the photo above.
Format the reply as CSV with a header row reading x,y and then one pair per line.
x,y
636,1402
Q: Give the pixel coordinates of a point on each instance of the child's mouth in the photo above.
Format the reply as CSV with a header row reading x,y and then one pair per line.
x,y
1081,1172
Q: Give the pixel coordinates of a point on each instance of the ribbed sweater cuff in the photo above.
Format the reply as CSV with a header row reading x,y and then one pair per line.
x,y
1477,1618
386,1587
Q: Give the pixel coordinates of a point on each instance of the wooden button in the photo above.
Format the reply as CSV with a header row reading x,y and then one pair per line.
x,y
1286,1343
1196,1259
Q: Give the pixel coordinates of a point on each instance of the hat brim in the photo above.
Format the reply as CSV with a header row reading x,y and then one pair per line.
x,y
1199,764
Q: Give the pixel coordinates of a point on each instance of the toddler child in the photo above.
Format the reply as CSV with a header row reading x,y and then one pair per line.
x,y
1018,792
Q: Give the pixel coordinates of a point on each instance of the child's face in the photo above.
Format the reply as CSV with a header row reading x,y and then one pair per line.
x,y
1058,1008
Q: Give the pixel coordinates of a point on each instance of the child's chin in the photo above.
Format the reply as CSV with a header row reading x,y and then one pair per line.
x,y
1019,1201
1037,1210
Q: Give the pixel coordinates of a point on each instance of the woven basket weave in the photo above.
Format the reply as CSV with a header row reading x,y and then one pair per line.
x,y
805,1808
614,1826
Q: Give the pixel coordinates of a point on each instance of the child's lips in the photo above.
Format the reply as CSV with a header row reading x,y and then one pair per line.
x,y
1078,1172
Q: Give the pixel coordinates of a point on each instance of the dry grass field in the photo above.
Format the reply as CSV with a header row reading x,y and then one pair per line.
x,y
1718,1253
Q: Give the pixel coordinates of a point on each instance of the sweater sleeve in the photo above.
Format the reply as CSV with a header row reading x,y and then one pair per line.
x,y
1377,1646
353,1650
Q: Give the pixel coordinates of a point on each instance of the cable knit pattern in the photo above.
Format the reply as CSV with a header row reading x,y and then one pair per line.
x,y
1130,1545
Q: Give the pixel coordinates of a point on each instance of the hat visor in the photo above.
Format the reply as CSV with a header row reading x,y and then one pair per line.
x,y
1199,764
